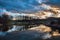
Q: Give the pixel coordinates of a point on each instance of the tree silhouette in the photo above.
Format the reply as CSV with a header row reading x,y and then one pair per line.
x,y
6,21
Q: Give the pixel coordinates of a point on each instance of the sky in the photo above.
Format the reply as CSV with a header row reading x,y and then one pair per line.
x,y
21,5
25,5
54,2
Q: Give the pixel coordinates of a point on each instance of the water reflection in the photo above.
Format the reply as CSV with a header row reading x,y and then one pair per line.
x,y
15,28
26,23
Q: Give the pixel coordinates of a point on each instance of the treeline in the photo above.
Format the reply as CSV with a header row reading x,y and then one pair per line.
x,y
6,22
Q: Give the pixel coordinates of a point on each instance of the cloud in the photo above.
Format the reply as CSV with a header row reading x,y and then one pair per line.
x,y
21,5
